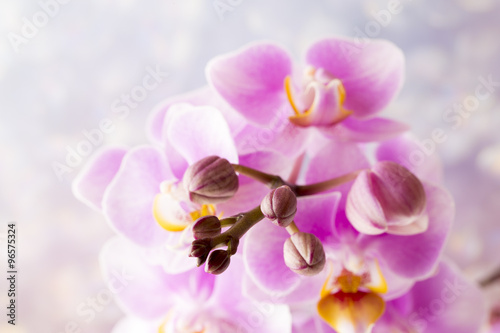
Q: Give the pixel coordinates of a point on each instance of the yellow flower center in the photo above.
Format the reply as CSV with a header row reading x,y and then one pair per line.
x,y
345,307
324,105
173,213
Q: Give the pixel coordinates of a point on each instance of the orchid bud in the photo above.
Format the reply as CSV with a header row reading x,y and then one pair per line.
x,y
218,262
200,249
304,254
387,198
210,180
206,227
280,206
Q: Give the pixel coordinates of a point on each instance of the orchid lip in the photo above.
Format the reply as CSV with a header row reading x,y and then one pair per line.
x,y
326,106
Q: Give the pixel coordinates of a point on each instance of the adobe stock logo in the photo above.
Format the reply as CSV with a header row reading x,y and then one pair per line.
x,y
120,108
30,28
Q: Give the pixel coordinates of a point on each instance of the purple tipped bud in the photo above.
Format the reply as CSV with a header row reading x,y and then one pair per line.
x,y
218,262
388,198
210,180
280,206
206,227
200,248
304,254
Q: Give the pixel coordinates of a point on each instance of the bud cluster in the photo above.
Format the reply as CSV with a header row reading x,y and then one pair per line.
x,y
387,198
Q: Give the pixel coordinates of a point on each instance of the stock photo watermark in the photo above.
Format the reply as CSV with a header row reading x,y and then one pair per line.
x,y
31,26
455,115
222,7
449,294
11,272
372,28
120,108
87,310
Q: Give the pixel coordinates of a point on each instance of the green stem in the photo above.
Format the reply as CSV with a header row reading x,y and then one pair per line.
x,y
237,230
303,190
271,181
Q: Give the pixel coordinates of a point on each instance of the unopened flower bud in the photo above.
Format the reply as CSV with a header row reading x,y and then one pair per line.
x,y
280,206
304,254
387,198
200,249
218,262
211,180
206,227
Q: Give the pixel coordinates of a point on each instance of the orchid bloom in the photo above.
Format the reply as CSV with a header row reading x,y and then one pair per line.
x,y
189,302
339,91
140,190
363,271
445,302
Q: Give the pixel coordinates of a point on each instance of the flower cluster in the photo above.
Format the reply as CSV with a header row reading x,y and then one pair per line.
x,y
298,200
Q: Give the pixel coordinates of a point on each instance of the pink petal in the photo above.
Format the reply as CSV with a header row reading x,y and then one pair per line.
x,y
461,307
334,160
446,302
263,249
200,97
91,182
195,133
263,256
369,130
372,71
251,192
139,288
416,256
147,291
251,80
316,215
128,200
280,135
418,157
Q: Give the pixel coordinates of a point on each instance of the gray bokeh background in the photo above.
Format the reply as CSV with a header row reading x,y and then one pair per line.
x,y
64,79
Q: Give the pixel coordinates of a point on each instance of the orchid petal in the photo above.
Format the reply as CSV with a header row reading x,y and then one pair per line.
x,y
408,152
372,72
128,200
251,80
366,130
90,184
197,132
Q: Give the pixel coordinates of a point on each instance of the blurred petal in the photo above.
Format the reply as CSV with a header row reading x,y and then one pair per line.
x,y
200,97
134,325
91,182
263,256
372,72
446,302
420,160
195,133
334,160
128,201
139,288
316,215
251,80
368,130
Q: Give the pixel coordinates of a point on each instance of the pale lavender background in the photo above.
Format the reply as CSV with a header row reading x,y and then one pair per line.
x,y
65,78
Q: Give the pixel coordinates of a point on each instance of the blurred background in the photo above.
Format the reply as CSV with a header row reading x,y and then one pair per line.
x,y
65,65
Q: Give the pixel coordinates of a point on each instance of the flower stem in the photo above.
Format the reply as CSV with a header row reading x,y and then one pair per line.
x,y
239,228
302,190
490,279
292,228
271,181
274,181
